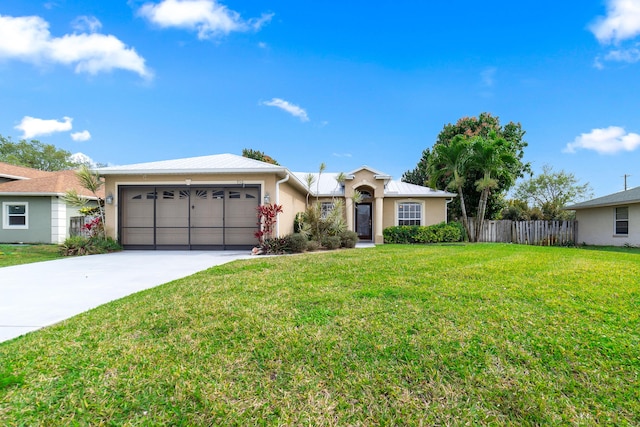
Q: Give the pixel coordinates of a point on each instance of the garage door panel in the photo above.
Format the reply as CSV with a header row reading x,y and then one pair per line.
x,y
138,236
172,236
207,236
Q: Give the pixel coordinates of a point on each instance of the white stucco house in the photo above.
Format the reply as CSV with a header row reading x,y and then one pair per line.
x,y
612,220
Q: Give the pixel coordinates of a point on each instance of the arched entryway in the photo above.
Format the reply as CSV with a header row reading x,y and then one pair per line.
x,y
364,214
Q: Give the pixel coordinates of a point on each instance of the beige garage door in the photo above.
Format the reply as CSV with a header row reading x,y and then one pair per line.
x,y
188,217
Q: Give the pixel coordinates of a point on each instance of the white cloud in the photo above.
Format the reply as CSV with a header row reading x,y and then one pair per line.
x,y
32,127
89,24
28,39
488,76
630,55
83,159
621,23
85,135
208,17
292,109
605,141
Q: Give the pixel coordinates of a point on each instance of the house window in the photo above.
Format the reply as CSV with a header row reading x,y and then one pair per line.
x,y
409,213
15,215
326,208
622,221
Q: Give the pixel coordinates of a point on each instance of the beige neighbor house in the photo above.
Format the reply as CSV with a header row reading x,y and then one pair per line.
x,y
612,220
210,202
32,207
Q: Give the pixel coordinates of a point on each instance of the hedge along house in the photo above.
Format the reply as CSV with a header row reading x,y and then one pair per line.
x,y
210,202
612,220
32,207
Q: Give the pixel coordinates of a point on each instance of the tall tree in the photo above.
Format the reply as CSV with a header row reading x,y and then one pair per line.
x,y
448,163
258,155
420,174
551,191
34,154
471,127
492,157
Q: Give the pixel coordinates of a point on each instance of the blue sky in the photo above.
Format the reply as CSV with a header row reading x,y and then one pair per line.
x,y
345,83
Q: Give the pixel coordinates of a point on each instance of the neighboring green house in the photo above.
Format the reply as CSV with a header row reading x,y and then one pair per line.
x,y
32,207
210,202
612,220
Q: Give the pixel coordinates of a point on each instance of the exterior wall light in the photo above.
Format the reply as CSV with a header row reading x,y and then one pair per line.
x,y
267,199
109,199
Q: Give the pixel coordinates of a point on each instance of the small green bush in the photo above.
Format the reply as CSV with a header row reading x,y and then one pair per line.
x,y
297,243
438,233
313,245
275,245
331,242
348,239
80,245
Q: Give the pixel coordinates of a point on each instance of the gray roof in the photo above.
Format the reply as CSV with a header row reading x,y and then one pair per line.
x,y
622,198
217,163
328,186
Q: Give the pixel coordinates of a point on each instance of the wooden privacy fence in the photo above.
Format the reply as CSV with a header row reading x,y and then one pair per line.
x,y
541,233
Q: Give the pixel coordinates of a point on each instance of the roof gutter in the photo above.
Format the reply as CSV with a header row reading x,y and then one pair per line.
x,y
282,181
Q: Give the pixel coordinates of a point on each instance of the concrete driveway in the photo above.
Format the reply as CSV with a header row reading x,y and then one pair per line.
x,y
36,295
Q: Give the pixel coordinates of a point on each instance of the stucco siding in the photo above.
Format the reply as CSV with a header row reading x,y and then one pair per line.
x,y
38,221
596,227
292,201
434,210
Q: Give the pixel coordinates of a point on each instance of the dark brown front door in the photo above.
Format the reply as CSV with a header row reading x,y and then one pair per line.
x,y
363,221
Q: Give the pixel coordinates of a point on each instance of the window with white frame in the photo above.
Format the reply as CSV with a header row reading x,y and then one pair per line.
x,y
622,221
409,213
15,215
325,209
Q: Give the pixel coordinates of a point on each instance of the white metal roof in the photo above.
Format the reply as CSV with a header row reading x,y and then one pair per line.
x,y
329,186
217,163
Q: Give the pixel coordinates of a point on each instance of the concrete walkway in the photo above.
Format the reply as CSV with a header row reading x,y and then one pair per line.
x,y
36,295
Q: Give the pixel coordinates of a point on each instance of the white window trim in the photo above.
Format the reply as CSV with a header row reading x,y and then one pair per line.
x,y
615,221
5,216
419,202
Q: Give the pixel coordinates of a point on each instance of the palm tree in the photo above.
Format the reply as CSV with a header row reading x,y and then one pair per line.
x,y
450,162
492,157
92,182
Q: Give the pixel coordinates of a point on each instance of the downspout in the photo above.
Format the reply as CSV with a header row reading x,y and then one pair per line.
x,y
446,209
282,181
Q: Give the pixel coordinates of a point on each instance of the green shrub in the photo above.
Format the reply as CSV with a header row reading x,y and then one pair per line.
x,y
80,245
438,233
297,242
275,245
331,242
313,245
348,239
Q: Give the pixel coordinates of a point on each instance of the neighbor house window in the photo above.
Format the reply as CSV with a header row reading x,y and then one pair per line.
x,y
622,221
326,208
409,213
15,215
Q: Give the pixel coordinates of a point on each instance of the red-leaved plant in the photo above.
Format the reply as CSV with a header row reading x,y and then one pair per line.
x,y
267,218
93,227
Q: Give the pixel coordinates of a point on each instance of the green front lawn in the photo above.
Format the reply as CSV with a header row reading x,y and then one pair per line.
x,y
24,254
408,335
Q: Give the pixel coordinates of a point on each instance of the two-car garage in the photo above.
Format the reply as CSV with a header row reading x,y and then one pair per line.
x,y
188,217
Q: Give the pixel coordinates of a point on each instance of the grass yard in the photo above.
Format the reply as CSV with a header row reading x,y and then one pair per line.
x,y
478,334
24,254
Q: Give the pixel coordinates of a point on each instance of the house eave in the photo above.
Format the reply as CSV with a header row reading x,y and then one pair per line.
x,y
39,194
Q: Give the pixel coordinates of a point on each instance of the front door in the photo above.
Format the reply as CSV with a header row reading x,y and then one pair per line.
x,y
363,221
